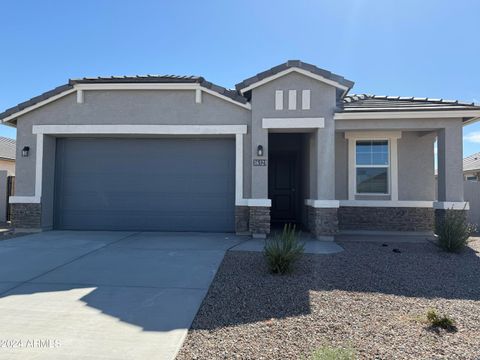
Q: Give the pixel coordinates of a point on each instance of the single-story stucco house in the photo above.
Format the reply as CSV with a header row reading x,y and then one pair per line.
x,y
178,153
471,167
7,155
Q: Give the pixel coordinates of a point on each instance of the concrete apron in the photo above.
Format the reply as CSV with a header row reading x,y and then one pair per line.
x,y
108,295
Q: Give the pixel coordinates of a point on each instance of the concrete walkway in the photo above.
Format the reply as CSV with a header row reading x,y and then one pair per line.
x,y
311,246
103,295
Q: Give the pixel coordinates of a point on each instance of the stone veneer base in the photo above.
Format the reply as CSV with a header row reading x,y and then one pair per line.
x,y
242,218
386,218
322,222
440,216
259,221
26,216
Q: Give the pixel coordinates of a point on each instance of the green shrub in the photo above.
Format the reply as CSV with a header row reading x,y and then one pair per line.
x,y
283,250
454,231
435,320
332,353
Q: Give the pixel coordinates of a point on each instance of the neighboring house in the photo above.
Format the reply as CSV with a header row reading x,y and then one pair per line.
x,y
471,167
7,155
175,153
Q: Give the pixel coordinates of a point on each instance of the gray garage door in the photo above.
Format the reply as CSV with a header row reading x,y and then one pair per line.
x,y
145,184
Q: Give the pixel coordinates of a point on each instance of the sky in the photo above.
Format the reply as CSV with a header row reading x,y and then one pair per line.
x,y
388,47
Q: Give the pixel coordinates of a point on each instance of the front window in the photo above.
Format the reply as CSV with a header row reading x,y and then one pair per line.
x,y
372,163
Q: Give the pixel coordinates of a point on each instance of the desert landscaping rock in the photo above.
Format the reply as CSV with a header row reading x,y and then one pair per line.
x,y
367,297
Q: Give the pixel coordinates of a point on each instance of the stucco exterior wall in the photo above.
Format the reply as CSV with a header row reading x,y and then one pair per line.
x,y
416,163
415,167
322,104
126,107
341,166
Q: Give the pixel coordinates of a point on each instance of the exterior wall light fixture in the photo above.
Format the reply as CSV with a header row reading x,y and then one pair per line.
x,y
25,151
260,150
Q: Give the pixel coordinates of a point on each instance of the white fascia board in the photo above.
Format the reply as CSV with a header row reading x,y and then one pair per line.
x,y
297,70
164,86
406,114
386,203
319,204
452,205
140,129
247,106
293,123
37,105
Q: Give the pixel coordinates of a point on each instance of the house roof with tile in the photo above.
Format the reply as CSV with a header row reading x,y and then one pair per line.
x,y
365,102
472,162
138,79
348,105
7,148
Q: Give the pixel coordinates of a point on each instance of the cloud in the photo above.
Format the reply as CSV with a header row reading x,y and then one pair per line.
x,y
473,137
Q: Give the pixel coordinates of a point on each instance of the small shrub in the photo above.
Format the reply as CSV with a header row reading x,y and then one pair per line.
x,y
333,353
454,231
437,321
283,250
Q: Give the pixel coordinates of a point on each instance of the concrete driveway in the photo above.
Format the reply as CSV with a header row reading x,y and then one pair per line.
x,y
103,295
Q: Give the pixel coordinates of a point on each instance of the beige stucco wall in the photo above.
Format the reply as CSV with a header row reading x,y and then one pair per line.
x,y
415,167
8,165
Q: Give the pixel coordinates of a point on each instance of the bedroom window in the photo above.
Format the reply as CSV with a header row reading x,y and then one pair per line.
x,y
372,164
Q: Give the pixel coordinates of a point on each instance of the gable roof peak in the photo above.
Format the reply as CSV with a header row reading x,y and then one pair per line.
x,y
277,71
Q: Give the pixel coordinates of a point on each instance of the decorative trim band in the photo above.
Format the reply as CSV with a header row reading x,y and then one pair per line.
x,y
140,129
24,200
328,204
452,205
255,202
293,123
386,203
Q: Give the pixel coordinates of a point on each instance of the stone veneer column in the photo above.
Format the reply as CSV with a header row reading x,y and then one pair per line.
x,y
440,216
322,222
26,216
259,221
242,218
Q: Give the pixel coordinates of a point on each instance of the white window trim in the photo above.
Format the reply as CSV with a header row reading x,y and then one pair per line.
x,y
132,130
391,137
388,167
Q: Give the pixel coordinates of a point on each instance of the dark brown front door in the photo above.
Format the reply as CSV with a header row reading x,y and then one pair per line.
x,y
283,186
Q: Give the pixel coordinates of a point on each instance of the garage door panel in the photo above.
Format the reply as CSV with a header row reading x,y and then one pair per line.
x,y
170,184
145,184
122,201
154,221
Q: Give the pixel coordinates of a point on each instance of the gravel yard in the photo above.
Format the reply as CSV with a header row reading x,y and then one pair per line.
x,y
368,298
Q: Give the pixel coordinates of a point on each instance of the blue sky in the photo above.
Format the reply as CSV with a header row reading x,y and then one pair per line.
x,y
408,47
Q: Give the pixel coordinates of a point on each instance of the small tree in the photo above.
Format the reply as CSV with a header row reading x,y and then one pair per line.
x,y
283,250
453,232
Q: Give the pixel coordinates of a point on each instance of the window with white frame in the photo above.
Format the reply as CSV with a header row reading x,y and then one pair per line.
x,y
372,165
